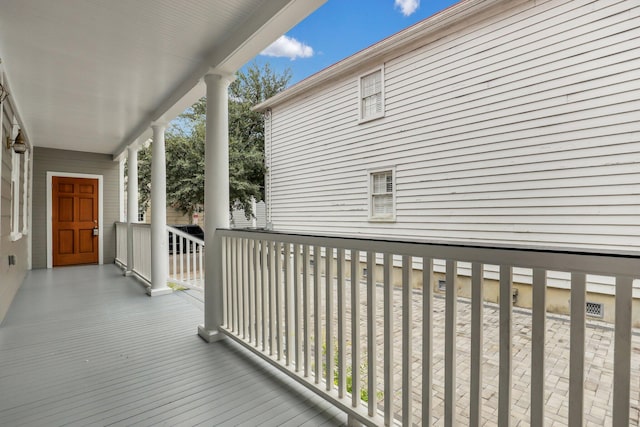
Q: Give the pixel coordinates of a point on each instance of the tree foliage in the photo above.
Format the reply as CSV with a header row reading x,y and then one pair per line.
x,y
185,145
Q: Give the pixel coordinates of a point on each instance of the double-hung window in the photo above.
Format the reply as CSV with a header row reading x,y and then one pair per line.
x,y
372,95
382,195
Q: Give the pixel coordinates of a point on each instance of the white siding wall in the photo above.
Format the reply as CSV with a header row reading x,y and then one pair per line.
x,y
238,220
524,129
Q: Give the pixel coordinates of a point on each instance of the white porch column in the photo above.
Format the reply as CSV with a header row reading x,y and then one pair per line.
x,y
159,249
216,200
132,201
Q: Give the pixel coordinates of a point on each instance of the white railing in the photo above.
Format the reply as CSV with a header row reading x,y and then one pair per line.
x,y
142,251
121,243
186,259
414,357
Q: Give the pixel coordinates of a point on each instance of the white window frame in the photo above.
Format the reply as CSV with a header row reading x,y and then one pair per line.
x,y
370,175
15,196
361,118
25,193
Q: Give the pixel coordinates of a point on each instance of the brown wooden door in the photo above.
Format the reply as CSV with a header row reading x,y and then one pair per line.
x,y
75,216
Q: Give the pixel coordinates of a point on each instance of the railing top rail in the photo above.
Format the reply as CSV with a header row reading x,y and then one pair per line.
x,y
607,263
185,235
140,225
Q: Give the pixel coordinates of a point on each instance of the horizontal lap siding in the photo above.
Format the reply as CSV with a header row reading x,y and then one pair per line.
x,y
521,129
74,162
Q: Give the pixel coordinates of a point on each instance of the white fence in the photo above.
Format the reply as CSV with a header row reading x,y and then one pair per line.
x,y
185,257
121,243
142,251
305,315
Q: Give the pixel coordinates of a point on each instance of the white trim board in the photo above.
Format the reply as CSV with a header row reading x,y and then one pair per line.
x,y
100,179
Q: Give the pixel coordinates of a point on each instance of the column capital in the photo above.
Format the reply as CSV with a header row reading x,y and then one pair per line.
x,y
215,76
159,124
133,148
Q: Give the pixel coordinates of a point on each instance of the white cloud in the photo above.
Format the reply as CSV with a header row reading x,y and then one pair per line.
x,y
407,7
288,47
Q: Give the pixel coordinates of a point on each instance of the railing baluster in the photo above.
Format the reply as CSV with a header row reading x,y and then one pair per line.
x,y
174,255
576,355
296,304
355,328
317,351
407,342
477,299
388,339
245,294
239,287
622,351
342,341
278,285
371,336
257,292
181,240
538,332
272,298
188,257
249,279
225,281
328,278
450,344
306,312
264,279
194,255
427,340
234,286
504,380
287,303
200,257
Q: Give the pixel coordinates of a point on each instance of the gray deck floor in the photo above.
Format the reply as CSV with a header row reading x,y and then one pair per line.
x,y
86,346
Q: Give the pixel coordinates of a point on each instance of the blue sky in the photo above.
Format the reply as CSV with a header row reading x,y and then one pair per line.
x,y
341,28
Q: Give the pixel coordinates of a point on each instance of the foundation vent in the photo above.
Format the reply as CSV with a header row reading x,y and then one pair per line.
x,y
595,309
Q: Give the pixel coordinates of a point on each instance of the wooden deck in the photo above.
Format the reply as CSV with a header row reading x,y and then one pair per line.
x,y
86,346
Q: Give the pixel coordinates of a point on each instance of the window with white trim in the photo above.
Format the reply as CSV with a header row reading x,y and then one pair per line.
x,y
382,195
15,196
372,95
25,193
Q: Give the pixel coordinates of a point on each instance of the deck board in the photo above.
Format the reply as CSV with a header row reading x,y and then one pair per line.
x,y
86,346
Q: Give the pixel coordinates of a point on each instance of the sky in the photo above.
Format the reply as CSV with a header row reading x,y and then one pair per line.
x,y
341,28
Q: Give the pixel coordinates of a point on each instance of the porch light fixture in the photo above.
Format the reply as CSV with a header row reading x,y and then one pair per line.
x,y
19,147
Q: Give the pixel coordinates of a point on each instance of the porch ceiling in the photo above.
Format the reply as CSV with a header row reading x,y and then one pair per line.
x,y
91,75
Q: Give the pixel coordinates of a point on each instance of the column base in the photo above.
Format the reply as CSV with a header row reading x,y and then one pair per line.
x,y
209,335
160,291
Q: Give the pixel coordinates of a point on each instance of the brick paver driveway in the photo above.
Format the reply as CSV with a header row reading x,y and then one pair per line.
x,y
598,364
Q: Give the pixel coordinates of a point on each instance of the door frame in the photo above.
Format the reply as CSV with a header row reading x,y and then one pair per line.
x,y
50,176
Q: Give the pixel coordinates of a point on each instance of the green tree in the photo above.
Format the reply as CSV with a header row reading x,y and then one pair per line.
x,y
185,169
144,178
246,131
185,144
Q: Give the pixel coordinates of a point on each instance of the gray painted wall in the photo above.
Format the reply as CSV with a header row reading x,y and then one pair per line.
x,y
50,160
